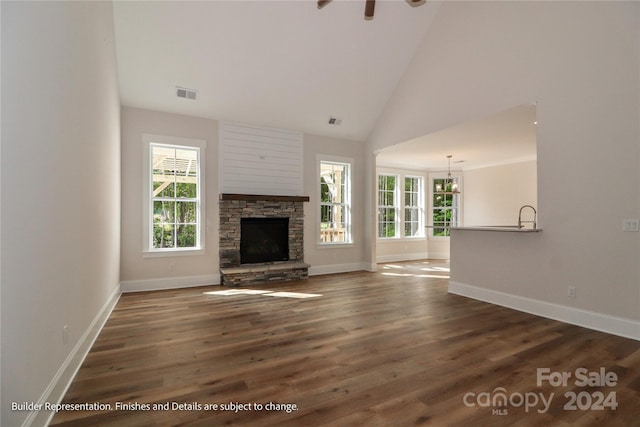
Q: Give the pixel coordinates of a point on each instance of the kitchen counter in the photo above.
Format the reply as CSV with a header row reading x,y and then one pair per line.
x,y
503,228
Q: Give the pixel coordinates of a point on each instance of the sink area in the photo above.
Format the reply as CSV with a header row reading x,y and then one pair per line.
x,y
521,221
519,227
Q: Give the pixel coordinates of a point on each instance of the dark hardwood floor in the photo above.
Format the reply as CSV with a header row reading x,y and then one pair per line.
x,y
391,348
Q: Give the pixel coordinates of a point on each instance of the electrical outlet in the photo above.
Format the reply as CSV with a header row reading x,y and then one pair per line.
x,y
630,224
571,291
172,267
65,334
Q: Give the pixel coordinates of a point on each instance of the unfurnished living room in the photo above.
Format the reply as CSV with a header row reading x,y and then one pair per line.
x,y
346,213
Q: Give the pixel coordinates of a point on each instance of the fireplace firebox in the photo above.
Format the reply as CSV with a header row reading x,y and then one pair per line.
x,y
264,240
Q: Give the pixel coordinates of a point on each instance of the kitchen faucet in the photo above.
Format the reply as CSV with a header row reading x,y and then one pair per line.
x,y
520,221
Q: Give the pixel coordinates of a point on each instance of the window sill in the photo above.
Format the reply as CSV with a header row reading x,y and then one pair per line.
x,y
334,245
401,239
173,253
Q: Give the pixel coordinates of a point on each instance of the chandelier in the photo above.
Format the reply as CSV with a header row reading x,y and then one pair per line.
x,y
450,185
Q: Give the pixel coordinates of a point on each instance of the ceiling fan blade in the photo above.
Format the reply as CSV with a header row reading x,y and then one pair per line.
x,y
323,3
369,7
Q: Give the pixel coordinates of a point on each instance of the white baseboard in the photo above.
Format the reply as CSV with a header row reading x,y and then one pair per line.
x,y
339,268
169,283
402,257
588,319
61,381
370,267
439,255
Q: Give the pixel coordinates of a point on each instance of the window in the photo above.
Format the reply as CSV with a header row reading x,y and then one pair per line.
x,y
413,207
400,206
173,195
387,206
335,202
445,207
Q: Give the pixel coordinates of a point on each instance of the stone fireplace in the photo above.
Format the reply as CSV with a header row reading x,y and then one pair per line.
x,y
267,260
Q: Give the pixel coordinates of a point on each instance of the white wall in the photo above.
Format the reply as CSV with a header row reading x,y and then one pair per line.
x,y
334,258
579,61
137,272
494,195
260,160
60,193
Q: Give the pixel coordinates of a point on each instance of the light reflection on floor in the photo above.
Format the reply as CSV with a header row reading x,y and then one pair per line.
x,y
438,269
229,292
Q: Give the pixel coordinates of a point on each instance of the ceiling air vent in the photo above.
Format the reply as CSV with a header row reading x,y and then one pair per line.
x,y
186,93
334,121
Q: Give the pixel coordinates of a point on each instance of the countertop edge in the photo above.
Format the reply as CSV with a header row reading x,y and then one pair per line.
x,y
501,229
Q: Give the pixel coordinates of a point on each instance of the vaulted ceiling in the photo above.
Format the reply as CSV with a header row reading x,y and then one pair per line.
x,y
285,64
290,65
502,138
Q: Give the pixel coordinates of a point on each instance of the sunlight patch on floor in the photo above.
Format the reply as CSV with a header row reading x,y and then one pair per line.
x,y
237,292
435,269
416,270
433,276
291,295
228,292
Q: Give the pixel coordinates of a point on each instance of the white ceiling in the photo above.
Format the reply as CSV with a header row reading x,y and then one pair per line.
x,y
288,65
284,64
502,138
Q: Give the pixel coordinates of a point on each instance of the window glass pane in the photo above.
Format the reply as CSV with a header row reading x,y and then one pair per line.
x,y
175,195
186,235
163,186
163,212
411,229
386,222
387,209
187,190
441,232
163,159
338,215
325,216
410,215
453,217
186,162
412,207
163,236
186,212
389,199
334,202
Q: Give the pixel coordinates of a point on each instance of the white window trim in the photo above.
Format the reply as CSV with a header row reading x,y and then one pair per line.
x,y
396,206
421,207
349,220
442,175
147,199
402,174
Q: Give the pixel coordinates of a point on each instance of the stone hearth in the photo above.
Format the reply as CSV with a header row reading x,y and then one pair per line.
x,y
234,207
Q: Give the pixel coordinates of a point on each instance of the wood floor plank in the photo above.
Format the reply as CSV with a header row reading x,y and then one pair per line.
x,y
391,348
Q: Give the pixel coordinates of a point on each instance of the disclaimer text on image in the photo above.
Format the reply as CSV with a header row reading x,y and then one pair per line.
x,y
156,406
